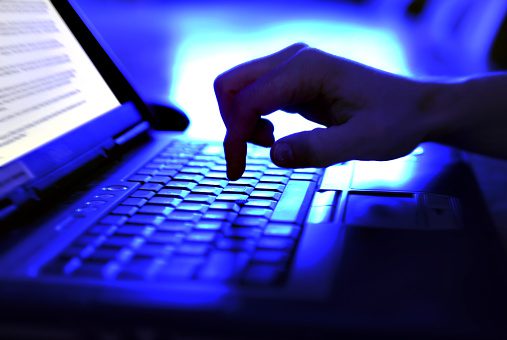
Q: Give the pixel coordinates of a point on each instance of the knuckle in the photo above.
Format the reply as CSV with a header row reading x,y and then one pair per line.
x,y
309,53
219,83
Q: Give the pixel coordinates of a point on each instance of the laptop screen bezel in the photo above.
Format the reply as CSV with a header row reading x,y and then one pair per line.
x,y
102,59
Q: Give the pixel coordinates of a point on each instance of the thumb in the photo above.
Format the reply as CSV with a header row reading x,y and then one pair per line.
x,y
317,148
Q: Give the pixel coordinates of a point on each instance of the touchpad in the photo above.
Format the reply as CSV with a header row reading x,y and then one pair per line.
x,y
383,210
401,211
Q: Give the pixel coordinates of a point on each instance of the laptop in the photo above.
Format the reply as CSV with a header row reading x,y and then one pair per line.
x,y
109,226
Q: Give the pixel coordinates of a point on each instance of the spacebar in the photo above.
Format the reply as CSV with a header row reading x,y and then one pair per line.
x,y
294,202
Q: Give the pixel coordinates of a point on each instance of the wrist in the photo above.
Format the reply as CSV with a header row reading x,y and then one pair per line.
x,y
442,104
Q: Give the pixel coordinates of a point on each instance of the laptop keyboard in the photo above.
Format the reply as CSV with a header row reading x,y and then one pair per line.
x,y
186,221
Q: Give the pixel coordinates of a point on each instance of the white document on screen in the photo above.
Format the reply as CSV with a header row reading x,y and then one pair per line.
x,y
48,85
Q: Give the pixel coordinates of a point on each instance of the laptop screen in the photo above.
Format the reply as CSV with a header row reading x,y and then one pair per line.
x,y
48,84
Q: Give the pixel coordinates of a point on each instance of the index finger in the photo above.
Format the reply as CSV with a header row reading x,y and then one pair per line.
x,y
295,81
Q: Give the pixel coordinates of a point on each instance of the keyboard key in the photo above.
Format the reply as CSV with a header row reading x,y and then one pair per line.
x,y
206,158
193,206
188,177
188,216
166,201
146,219
259,161
262,274
255,211
178,193
270,256
147,171
249,221
282,230
224,266
193,249
212,150
102,229
221,168
214,182
235,244
105,255
245,181
252,174
76,251
255,167
97,271
274,179
209,225
309,171
151,187
153,166
133,230
160,178
142,269
175,226
125,210
231,206
159,160
270,187
294,202
217,175
278,172
153,250
118,241
89,240
178,268
272,195
207,190
242,232
200,198
174,166
261,203
201,236
232,197
165,237
195,170
139,178
114,220
135,202
167,173
142,194
275,243
305,177
222,215
181,185
156,210
201,164
238,189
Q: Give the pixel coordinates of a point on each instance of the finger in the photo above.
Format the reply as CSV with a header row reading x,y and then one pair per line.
x,y
235,156
228,84
319,148
263,134
298,80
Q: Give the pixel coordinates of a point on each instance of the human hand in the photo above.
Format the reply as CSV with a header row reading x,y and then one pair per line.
x,y
368,114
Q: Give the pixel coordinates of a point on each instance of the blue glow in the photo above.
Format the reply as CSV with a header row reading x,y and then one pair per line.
x,y
205,53
388,174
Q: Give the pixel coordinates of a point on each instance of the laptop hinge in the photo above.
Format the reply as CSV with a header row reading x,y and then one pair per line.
x,y
90,157
131,134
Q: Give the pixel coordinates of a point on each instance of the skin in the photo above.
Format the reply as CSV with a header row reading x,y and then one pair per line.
x,y
368,114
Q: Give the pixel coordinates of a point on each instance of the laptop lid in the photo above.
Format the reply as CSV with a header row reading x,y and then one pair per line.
x,y
63,101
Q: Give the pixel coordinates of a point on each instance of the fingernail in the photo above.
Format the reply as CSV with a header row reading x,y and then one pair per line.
x,y
283,153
